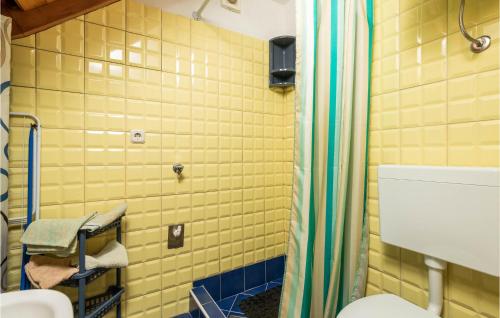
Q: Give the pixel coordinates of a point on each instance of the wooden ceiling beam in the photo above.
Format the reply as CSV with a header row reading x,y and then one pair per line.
x,y
25,23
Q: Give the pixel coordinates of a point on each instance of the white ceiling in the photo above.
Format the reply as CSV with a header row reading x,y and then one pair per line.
x,y
263,19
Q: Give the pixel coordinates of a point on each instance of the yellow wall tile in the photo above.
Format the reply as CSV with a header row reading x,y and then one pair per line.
x,y
60,71
23,66
112,15
200,93
448,115
104,43
67,38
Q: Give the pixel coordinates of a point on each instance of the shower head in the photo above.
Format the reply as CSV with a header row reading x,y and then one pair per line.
x,y
477,45
197,13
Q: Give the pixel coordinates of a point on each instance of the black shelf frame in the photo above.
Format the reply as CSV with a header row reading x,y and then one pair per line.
x,y
96,306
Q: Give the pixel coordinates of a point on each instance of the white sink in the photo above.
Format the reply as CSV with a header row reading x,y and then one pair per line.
x,y
40,303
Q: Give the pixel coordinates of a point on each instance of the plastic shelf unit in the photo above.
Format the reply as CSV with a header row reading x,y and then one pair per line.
x,y
97,306
282,61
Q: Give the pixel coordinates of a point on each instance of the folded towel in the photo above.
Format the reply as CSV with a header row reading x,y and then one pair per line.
x,y
113,255
53,232
57,251
103,219
47,272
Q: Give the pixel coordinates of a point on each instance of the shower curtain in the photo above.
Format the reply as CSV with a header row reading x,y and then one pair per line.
x,y
328,245
4,139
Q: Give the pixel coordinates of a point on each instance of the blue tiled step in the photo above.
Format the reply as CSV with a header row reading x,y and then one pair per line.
x,y
230,306
206,303
239,284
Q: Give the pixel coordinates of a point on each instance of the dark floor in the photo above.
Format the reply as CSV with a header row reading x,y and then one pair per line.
x,y
230,305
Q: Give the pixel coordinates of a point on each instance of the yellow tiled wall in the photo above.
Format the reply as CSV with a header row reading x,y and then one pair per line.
x,y
433,103
201,95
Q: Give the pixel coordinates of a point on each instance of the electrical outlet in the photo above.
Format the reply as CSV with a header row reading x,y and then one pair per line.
x,y
137,136
233,5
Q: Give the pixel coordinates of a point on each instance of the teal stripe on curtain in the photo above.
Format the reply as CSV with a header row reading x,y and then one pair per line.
x,y
331,117
306,302
331,150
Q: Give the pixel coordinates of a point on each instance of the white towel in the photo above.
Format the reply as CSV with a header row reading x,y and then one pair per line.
x,y
113,255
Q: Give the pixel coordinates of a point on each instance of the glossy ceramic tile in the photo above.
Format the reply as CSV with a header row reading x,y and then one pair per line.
x,y
60,71
23,66
444,112
112,16
104,43
142,19
67,38
200,93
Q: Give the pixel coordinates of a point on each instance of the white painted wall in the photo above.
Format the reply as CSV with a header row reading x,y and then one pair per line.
x,y
263,19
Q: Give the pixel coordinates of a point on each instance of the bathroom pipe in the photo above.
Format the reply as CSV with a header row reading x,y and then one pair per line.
x,y
25,284
197,13
36,165
435,268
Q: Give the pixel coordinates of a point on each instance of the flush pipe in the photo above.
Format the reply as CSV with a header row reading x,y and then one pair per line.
x,y
435,268
197,13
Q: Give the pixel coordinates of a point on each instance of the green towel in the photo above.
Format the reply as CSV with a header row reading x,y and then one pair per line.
x,y
113,255
57,251
57,233
103,219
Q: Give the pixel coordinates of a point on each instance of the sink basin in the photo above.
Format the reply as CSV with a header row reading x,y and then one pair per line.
x,y
40,303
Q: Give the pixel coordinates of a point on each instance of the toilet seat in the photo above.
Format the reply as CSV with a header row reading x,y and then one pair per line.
x,y
384,306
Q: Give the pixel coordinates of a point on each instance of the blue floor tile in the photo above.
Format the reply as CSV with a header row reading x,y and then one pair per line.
x,y
256,290
275,268
183,316
213,311
255,275
195,313
212,285
279,281
202,295
236,306
226,303
232,282
272,285
236,314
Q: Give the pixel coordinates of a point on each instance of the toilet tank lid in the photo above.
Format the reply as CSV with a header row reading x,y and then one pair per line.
x,y
460,175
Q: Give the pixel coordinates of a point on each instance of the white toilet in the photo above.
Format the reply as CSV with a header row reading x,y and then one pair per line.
x,y
448,214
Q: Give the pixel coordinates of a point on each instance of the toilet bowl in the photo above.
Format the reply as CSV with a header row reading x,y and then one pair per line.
x,y
448,214
384,306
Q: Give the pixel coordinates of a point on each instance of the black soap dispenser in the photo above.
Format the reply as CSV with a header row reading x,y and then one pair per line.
x,y
282,61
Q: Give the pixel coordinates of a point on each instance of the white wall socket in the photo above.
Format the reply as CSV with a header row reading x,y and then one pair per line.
x,y
233,5
137,136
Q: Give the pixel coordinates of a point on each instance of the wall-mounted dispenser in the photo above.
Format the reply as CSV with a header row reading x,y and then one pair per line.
x,y
282,61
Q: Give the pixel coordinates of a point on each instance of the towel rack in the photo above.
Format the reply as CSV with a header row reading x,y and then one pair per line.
x,y
97,306
17,221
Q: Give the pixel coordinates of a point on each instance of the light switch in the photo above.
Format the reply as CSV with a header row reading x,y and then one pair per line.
x,y
137,136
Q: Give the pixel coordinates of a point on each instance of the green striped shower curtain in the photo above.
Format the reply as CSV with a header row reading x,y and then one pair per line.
x,y
327,252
